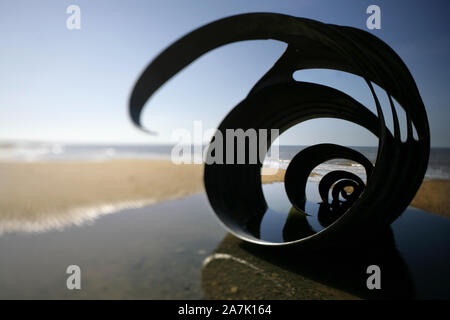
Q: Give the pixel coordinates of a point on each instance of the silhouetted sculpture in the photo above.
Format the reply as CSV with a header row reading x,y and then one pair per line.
x,y
278,101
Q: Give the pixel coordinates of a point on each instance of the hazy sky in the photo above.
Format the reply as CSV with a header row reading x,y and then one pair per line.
x,y
73,85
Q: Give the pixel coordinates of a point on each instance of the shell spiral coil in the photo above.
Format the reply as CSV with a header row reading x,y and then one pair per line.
x,y
277,101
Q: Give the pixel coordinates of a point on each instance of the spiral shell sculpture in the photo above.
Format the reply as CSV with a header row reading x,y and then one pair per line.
x,y
277,101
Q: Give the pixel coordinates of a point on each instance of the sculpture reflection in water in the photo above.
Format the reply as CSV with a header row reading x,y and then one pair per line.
x,y
277,101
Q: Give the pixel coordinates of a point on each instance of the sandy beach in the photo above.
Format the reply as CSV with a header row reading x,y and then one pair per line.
x,y
433,196
41,195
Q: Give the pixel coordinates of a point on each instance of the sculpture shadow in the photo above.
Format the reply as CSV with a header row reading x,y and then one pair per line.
x,y
338,272
346,267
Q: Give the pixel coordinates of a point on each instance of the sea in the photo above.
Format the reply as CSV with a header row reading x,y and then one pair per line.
x,y
26,151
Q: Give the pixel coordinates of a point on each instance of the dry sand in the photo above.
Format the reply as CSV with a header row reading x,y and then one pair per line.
x,y
29,188
52,195
434,196
37,196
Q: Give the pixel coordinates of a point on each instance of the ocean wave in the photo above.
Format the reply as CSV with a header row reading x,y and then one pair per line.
x,y
441,172
60,220
48,152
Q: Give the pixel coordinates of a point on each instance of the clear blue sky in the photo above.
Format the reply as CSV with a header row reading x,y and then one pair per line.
x,y
73,85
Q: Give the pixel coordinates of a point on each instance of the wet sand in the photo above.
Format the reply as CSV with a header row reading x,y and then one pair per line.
x,y
56,194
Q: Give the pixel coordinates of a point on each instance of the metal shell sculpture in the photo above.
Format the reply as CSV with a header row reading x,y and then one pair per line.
x,y
278,101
